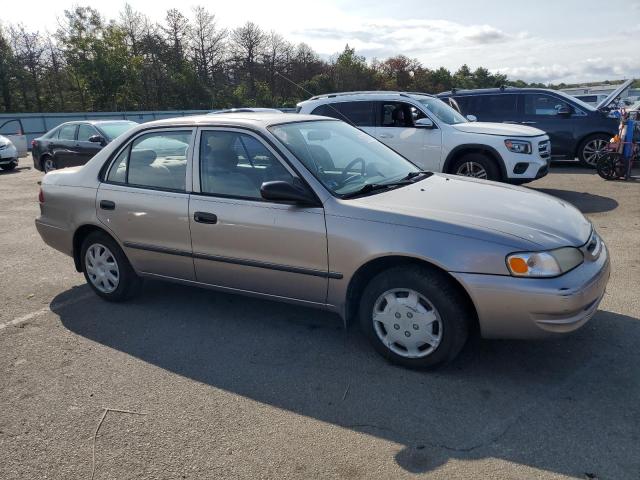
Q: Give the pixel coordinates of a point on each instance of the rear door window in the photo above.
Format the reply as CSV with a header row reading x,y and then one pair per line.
x,y
542,105
356,113
496,105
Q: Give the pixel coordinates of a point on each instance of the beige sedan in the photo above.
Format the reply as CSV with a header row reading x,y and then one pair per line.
x,y
310,210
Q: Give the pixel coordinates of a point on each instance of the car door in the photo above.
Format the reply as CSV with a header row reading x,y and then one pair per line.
x,y
541,110
396,128
85,150
144,202
243,242
63,146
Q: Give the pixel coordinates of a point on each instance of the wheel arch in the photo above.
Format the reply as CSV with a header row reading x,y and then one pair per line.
x,y
466,148
79,235
362,276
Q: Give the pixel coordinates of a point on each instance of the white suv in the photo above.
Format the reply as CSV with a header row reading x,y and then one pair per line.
x,y
435,137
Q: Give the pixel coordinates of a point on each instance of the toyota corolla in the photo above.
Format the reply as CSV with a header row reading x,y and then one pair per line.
x,y
313,211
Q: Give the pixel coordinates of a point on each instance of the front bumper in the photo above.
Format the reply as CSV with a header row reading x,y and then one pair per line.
x,y
510,307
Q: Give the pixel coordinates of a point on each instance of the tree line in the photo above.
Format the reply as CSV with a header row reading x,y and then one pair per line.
x,y
189,62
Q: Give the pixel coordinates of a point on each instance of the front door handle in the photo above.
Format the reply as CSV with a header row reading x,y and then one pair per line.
x,y
204,217
511,122
107,205
529,123
385,135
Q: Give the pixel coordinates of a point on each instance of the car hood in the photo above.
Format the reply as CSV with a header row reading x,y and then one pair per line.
x,y
514,216
503,129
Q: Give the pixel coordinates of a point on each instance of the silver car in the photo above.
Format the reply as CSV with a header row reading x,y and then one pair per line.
x,y
312,211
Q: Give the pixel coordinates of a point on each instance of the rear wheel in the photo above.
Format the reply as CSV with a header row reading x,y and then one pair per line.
x,y
415,316
48,164
592,148
477,165
106,268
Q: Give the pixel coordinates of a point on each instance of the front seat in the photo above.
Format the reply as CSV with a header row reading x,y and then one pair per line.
x,y
322,158
222,176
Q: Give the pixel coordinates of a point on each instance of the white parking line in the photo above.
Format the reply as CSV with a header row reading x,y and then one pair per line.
x,y
42,311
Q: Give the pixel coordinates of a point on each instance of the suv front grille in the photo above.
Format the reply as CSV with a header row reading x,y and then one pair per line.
x,y
544,149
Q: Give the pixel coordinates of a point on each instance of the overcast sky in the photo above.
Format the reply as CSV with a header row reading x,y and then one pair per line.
x,y
544,40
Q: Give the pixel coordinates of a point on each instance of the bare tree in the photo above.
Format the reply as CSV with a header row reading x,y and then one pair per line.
x,y
207,45
247,46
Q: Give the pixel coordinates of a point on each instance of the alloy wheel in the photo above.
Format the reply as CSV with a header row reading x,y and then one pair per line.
x,y
472,169
102,268
407,323
593,150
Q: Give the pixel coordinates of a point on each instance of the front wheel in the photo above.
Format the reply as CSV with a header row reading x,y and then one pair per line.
x,y
107,269
9,167
477,165
415,316
592,148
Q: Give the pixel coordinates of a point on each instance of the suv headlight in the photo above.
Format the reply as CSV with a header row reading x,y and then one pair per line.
x,y
518,146
3,146
544,264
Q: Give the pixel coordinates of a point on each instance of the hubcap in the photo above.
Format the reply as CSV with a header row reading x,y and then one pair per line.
x,y
102,268
593,149
49,165
472,169
407,323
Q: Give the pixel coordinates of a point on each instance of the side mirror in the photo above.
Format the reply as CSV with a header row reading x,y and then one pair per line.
x,y
424,123
97,139
564,110
472,118
281,191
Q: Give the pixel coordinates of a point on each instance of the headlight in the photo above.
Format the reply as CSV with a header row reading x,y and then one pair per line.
x,y
544,264
3,146
518,146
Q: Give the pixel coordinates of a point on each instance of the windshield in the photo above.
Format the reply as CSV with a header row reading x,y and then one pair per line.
x,y
343,158
441,110
113,130
575,100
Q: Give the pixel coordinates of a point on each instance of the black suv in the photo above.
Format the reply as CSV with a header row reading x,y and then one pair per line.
x,y
575,128
74,143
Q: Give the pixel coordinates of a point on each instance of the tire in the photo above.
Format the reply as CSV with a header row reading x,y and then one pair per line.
x,y
442,312
8,168
48,164
476,165
591,148
126,283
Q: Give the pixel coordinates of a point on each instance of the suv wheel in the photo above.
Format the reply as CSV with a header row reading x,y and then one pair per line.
x,y
107,269
9,167
592,148
414,316
476,165
48,164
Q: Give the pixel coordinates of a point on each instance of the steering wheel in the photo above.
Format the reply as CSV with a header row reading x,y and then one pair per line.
x,y
345,171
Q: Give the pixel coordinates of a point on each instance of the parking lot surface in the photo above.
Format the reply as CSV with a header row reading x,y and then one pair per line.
x,y
233,387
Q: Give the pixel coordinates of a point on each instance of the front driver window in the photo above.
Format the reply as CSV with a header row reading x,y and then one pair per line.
x,y
399,114
542,105
234,164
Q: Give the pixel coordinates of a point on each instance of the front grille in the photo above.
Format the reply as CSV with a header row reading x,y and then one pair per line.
x,y
544,149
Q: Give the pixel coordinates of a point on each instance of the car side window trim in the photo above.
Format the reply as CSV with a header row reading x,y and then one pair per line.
x,y
128,145
196,188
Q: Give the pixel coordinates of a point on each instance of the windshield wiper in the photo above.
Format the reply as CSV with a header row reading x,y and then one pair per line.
x,y
411,175
371,187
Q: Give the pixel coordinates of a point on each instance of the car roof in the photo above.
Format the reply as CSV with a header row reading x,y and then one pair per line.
x,y
240,119
481,91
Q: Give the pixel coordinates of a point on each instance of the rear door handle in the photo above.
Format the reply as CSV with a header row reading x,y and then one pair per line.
x,y
385,135
107,205
204,217
510,122
529,123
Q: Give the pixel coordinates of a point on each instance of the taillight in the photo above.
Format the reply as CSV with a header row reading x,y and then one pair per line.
x,y
33,143
41,196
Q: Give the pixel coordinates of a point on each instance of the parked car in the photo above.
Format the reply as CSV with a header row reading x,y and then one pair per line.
x,y
74,143
8,154
331,218
13,130
432,135
575,128
246,110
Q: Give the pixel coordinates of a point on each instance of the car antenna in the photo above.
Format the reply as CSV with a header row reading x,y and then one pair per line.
x,y
327,104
